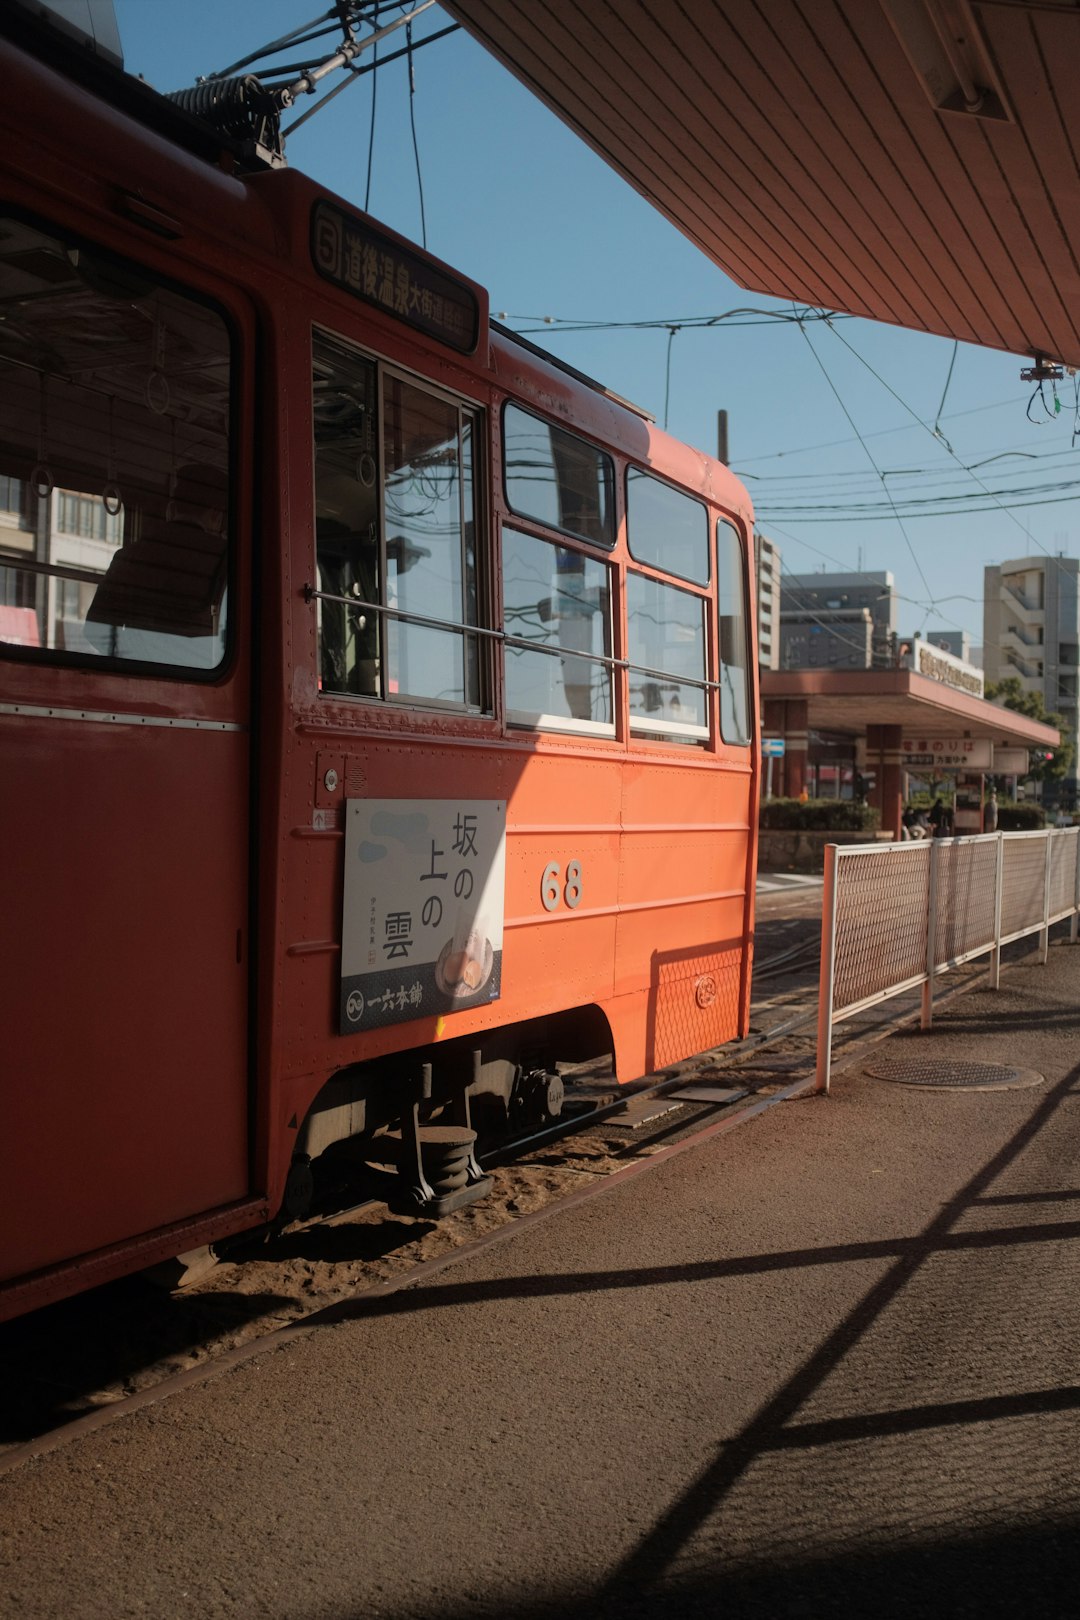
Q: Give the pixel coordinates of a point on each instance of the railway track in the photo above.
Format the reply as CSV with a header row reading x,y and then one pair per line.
x,y
85,1361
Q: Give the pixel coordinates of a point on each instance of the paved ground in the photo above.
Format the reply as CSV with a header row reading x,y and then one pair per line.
x,y
781,882
825,1364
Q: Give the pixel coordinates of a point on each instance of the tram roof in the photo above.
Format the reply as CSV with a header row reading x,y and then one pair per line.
x,y
852,699
913,161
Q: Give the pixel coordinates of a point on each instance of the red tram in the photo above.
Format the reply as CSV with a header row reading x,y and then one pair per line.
x,y
377,701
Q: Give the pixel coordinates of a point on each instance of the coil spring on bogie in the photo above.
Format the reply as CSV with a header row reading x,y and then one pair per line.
x,y
445,1152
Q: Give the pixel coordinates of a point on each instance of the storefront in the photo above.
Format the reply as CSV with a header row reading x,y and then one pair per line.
x,y
845,731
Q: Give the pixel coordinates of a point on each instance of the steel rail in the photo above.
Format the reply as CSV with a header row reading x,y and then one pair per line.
x,y
365,1298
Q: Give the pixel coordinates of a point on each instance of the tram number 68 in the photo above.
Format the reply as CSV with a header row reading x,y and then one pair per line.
x,y
553,889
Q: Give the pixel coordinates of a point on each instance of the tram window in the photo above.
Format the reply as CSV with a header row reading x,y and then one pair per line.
x,y
668,678
557,617
665,528
731,609
114,450
557,479
395,518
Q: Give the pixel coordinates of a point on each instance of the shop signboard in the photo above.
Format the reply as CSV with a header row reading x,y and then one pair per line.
x,y
947,753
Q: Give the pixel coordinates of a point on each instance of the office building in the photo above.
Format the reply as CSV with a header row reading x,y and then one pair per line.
x,y
767,575
838,621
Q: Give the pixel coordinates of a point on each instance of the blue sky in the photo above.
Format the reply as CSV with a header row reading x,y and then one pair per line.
x,y
516,201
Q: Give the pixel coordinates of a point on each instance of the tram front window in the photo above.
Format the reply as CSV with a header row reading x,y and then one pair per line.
x,y
395,518
114,457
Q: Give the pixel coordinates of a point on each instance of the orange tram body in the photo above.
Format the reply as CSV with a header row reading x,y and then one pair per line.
x,y
377,702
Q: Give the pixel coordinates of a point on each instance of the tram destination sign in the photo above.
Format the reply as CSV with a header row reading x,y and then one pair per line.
x,y
422,911
374,267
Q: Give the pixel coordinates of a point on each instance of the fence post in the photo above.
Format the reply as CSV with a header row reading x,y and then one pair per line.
x,y
931,935
1075,918
999,884
1044,936
828,972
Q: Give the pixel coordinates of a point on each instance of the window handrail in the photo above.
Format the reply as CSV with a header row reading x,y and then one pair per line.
x,y
673,675
310,594
558,651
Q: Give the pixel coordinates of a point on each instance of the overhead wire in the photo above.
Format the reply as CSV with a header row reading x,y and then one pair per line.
x,y
667,373
371,131
830,626
869,456
932,607
750,316
858,478
933,506
878,433
891,508
944,393
989,493
412,125
296,36
1040,394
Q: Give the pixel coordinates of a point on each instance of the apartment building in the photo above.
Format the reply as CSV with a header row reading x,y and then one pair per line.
x,y
1031,629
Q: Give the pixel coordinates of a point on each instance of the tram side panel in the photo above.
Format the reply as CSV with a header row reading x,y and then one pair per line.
x,y
684,911
606,905
557,934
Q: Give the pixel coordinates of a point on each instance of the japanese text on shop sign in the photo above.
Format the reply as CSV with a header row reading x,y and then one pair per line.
x,y
971,753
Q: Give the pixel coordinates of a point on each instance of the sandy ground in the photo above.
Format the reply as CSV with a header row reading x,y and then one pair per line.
x,y
94,1351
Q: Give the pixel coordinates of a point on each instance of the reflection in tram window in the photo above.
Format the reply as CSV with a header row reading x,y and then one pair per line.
x,y
557,616
347,518
665,528
734,661
395,516
114,455
558,479
666,629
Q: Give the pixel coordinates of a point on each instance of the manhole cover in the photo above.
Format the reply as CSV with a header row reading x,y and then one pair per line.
x,y
939,1076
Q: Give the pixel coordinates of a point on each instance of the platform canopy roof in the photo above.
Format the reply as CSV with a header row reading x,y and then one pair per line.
x,y
914,161
849,700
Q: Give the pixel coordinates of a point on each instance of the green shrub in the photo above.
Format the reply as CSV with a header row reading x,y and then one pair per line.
x,y
1020,817
820,815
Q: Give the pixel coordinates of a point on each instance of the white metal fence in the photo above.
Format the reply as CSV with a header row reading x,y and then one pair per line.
x,y
896,916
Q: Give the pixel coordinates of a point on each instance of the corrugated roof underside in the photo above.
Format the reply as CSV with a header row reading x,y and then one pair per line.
x,y
794,143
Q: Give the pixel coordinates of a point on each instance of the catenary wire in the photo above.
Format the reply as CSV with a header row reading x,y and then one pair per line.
x,y
869,456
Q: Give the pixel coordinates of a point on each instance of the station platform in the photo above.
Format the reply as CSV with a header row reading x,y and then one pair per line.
x,y
824,1363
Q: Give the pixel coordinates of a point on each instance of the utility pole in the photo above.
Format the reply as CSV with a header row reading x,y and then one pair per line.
x,y
721,437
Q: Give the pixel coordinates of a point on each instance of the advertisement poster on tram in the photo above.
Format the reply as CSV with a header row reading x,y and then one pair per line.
x,y
422,917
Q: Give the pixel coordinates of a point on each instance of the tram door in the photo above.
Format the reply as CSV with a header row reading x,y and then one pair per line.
x,y
124,755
